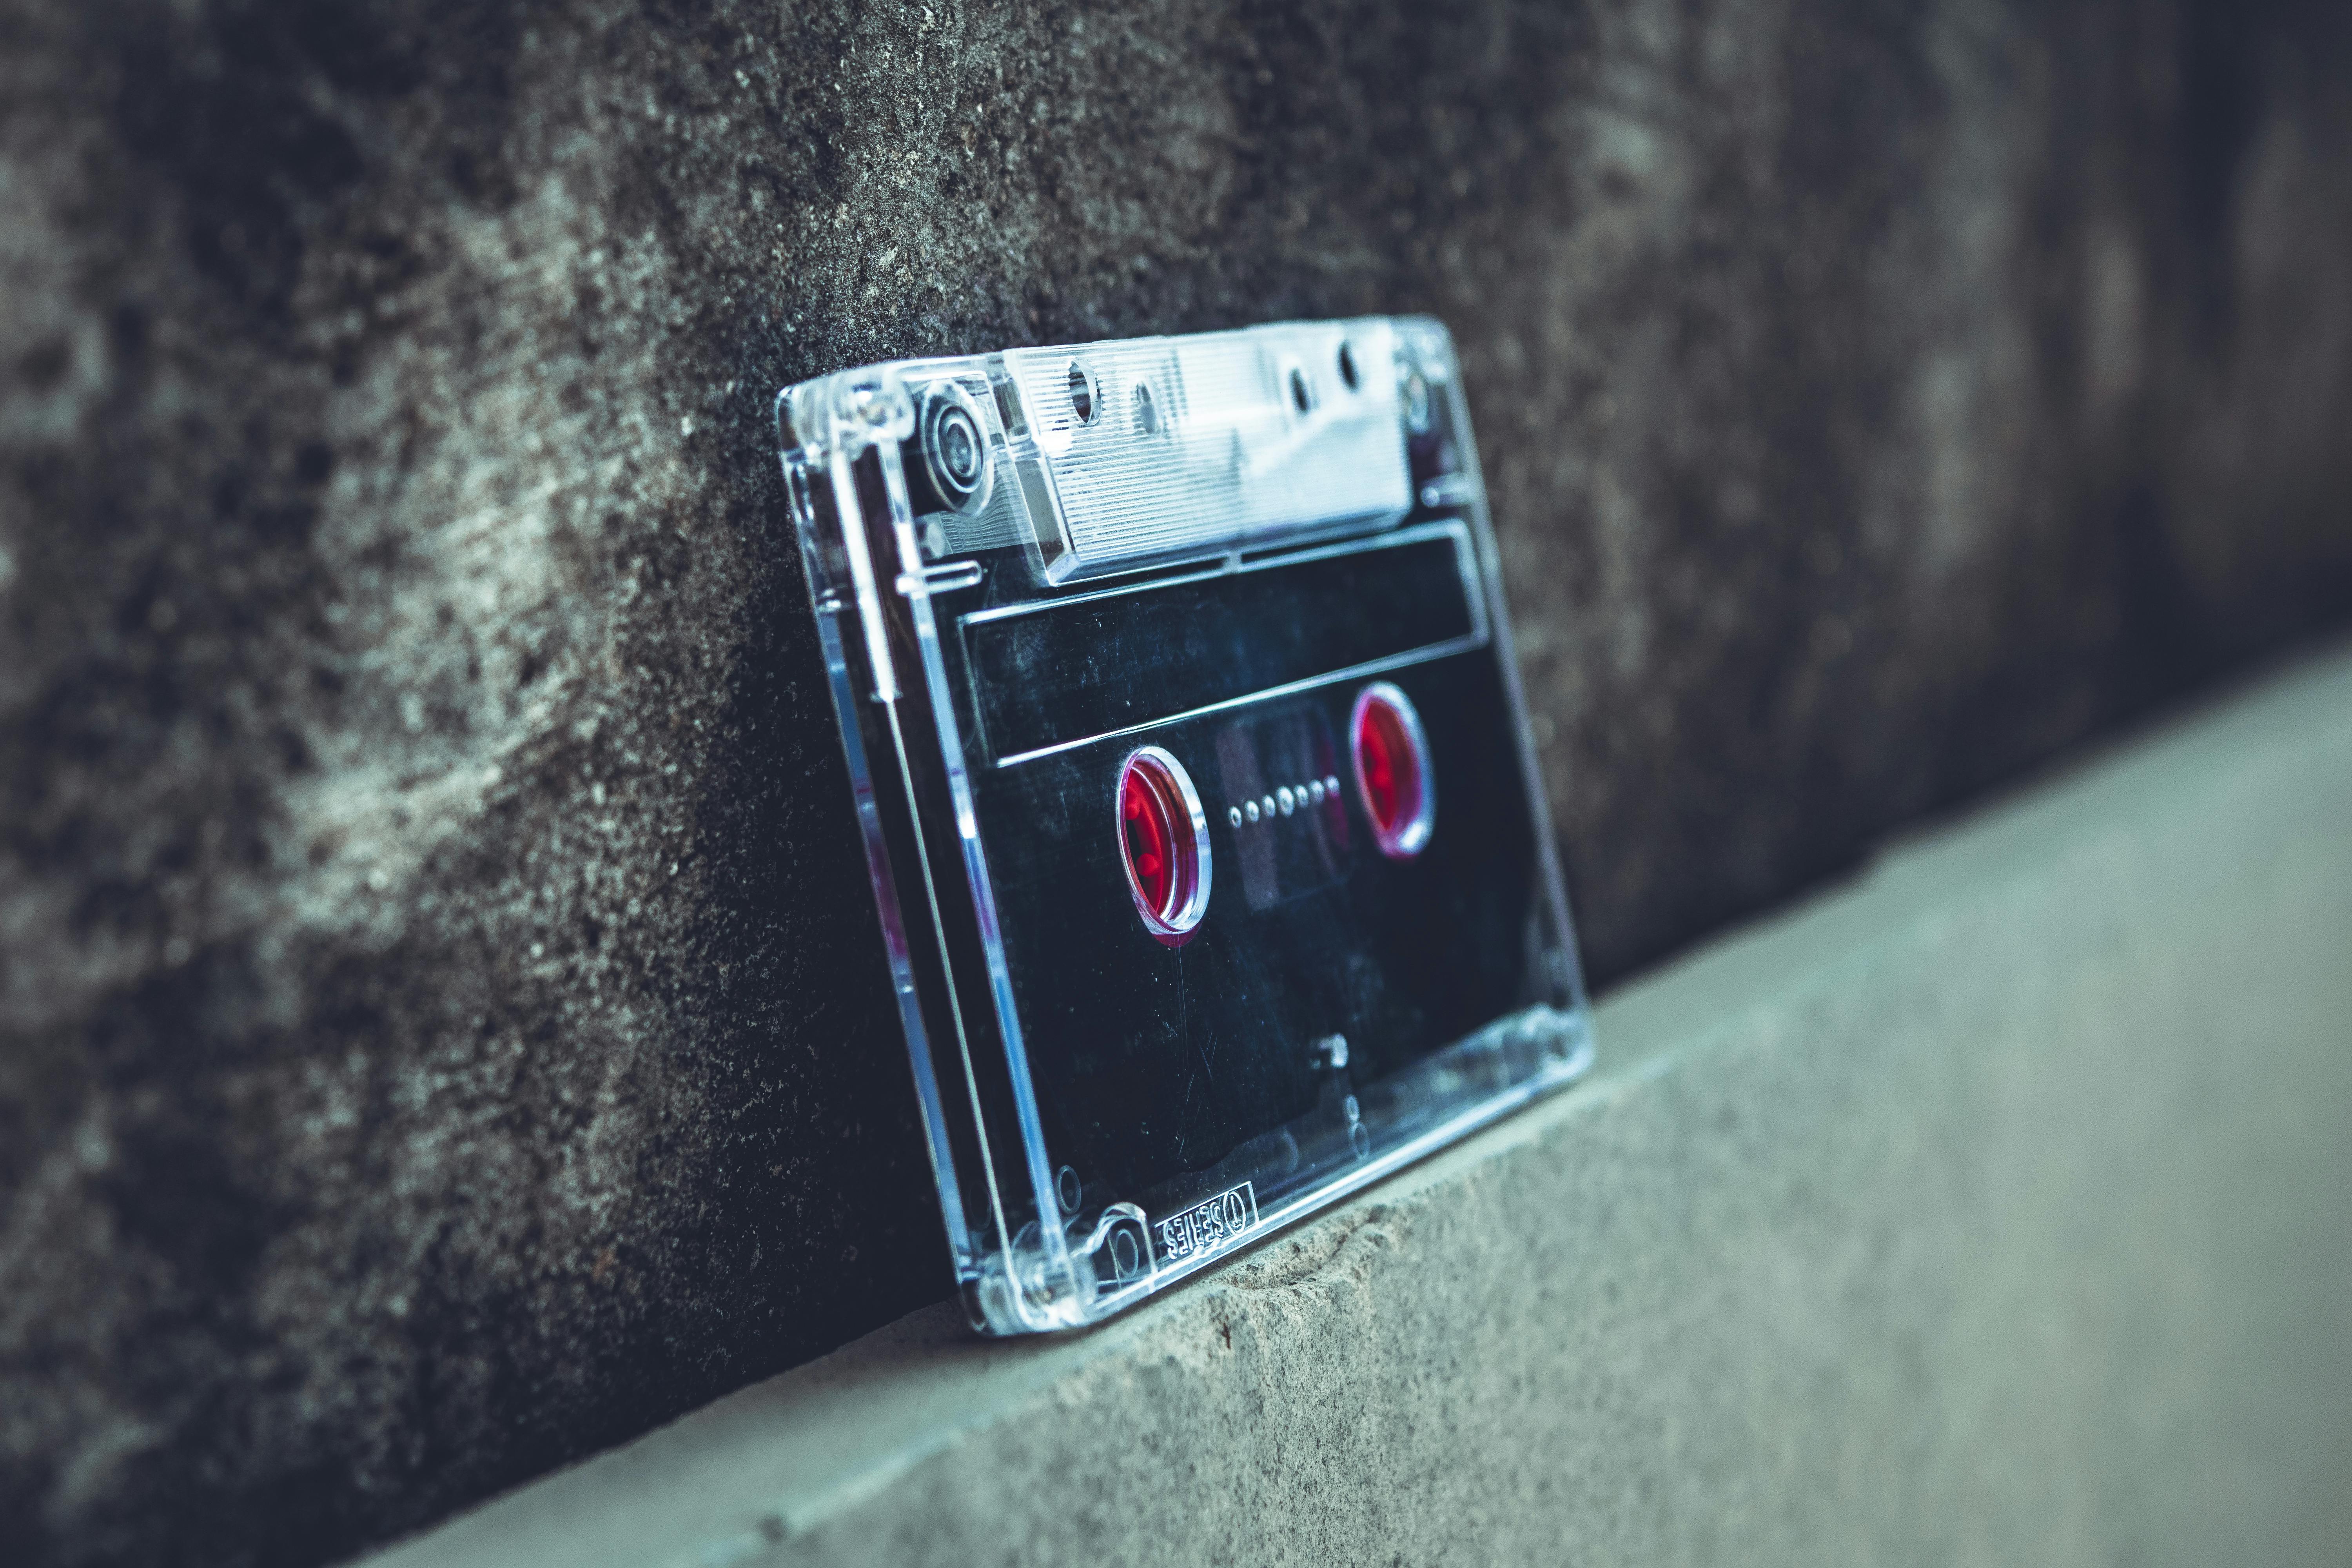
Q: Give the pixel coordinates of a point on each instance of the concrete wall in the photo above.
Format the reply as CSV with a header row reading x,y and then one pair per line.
x,y
442,1032
1994,1209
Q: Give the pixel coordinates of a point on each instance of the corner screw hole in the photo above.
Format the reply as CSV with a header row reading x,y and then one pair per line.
x,y
1417,410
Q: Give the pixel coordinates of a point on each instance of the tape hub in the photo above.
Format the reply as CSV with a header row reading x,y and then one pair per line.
x,y
1163,842
1392,770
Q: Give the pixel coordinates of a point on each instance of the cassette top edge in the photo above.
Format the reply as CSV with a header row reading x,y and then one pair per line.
x,y
1153,450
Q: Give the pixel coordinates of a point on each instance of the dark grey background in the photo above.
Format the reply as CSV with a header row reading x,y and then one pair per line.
x,y
441,1026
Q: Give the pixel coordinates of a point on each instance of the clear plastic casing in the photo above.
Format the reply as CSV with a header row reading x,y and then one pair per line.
x,y
1192,768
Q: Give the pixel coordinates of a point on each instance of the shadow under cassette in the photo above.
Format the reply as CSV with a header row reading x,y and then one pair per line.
x,y
1192,768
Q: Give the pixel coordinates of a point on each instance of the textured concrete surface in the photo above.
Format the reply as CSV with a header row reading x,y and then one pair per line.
x,y
441,1031
1995,1209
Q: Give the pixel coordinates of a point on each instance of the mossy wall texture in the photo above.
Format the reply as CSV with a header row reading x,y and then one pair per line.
x,y
442,1029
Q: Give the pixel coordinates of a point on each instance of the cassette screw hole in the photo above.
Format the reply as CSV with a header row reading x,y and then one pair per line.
x,y
959,453
1416,403
1348,366
1066,1191
955,454
1123,1254
1392,774
1082,394
1164,843
870,405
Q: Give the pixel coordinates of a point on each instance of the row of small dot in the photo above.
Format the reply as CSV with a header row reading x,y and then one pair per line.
x,y
1285,801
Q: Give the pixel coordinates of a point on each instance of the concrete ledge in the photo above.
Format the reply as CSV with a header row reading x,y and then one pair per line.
x,y
1994,1209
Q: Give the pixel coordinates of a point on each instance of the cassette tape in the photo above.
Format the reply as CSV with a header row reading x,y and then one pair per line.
x,y
1191,763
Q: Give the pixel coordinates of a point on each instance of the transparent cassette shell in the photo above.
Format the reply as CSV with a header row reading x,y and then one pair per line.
x,y
1192,764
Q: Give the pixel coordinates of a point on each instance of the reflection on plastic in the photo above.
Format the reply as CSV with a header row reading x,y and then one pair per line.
x,y
1107,626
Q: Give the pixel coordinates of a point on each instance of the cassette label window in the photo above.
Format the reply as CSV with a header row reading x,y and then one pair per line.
x,y
1175,683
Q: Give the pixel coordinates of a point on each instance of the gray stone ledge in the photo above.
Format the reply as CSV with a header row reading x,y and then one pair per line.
x,y
1989,1209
